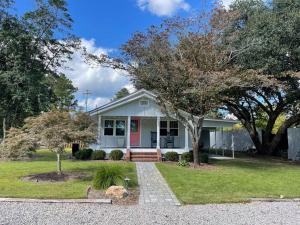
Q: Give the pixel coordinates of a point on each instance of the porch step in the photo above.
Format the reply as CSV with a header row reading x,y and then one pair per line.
x,y
143,156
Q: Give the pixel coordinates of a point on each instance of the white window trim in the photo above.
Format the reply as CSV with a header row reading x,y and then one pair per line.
x,y
115,128
168,127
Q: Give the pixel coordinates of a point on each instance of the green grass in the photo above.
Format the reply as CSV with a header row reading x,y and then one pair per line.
x,y
233,181
12,186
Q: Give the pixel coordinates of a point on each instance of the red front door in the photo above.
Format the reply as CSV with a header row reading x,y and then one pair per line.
x,y
135,131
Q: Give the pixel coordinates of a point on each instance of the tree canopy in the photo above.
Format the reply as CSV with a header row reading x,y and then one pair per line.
x,y
30,56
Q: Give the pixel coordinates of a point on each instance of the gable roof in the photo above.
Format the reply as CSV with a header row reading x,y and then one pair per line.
x,y
139,94
122,101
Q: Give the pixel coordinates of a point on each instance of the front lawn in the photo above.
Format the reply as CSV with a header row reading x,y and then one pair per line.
x,y
233,181
12,186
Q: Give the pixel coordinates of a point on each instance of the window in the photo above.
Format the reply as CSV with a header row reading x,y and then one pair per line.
x,y
173,128
134,126
120,127
163,128
144,103
109,127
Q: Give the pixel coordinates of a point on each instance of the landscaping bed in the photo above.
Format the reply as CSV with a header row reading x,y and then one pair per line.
x,y
12,175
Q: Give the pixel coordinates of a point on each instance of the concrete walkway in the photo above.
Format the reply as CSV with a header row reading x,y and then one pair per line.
x,y
153,188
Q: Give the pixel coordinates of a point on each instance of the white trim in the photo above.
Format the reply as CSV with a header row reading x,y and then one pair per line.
x,y
114,128
99,129
158,132
186,139
122,101
128,131
168,127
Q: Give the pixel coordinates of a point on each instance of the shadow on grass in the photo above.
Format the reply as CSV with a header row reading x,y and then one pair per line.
x,y
254,164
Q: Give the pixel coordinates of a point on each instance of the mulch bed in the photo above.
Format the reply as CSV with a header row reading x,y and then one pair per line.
x,y
54,177
131,199
202,166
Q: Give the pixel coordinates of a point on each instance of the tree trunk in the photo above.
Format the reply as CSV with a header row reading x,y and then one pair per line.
x,y
58,164
196,137
254,136
4,129
281,131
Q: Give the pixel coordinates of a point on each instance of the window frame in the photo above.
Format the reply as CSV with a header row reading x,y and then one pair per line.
x,y
113,125
120,128
168,128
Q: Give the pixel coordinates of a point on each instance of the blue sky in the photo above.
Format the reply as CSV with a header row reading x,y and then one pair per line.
x,y
103,26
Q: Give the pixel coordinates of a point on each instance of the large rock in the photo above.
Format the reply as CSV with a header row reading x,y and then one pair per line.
x,y
117,191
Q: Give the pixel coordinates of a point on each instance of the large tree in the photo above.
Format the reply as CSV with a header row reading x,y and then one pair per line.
x,y
30,56
268,34
183,63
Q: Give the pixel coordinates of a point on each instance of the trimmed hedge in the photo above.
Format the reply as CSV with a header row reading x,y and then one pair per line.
x,y
171,156
98,155
204,158
84,154
187,156
116,155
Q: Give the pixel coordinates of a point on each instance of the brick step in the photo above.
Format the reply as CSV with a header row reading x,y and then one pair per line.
x,y
144,160
147,155
143,153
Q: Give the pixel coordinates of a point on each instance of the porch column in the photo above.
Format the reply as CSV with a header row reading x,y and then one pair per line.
x,y
232,143
158,133
128,131
186,139
99,129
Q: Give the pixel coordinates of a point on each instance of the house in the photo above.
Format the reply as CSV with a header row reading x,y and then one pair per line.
x,y
137,125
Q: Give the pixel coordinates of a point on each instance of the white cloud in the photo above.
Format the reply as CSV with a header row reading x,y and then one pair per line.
x,y
227,3
102,82
163,7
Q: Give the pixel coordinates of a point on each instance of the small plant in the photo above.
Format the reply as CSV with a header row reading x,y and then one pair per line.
x,y
84,154
108,176
204,158
172,156
183,163
98,155
116,155
187,156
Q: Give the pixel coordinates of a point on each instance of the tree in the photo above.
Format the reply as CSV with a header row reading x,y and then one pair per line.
x,y
183,63
121,93
30,55
268,33
52,129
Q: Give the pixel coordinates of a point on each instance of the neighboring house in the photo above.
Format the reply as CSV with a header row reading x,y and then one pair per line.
x,y
137,125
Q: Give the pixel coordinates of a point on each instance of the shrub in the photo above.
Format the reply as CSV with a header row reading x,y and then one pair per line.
x,y
172,156
84,154
204,158
183,163
187,156
116,155
98,155
108,176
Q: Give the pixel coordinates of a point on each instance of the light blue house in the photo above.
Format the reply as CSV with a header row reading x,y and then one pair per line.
x,y
137,125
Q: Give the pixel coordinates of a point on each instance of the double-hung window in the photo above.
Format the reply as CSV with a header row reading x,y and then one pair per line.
x,y
168,127
109,127
173,128
120,127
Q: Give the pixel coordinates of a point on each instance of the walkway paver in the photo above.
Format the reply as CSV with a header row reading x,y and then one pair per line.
x,y
153,188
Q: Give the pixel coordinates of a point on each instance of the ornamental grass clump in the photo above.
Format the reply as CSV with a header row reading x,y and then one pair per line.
x,y
108,176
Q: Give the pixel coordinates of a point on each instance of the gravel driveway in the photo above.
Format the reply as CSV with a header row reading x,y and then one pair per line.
x,y
284,213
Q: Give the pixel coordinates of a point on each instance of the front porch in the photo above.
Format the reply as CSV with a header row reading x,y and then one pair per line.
x,y
141,134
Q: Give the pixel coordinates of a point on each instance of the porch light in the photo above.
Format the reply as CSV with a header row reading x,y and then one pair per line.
x,y
126,181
